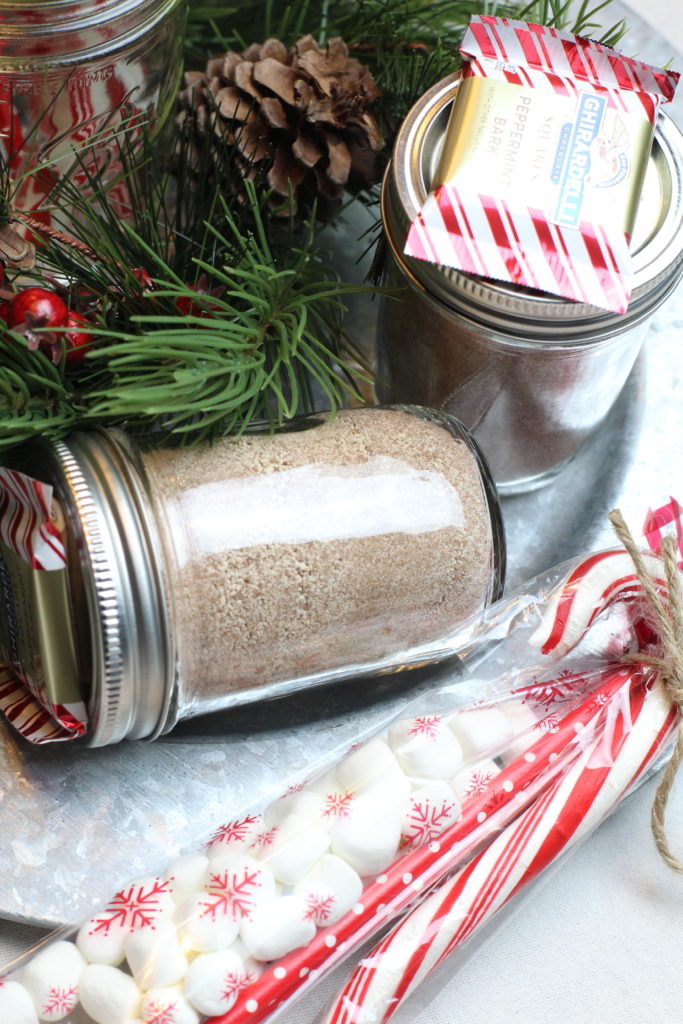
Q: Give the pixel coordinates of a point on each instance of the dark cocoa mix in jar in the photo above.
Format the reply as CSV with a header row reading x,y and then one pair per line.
x,y
531,375
313,549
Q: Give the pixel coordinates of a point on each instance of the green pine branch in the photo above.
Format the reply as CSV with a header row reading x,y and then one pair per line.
x,y
208,313
259,351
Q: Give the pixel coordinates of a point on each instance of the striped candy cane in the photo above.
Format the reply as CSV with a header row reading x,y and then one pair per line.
x,y
574,805
599,582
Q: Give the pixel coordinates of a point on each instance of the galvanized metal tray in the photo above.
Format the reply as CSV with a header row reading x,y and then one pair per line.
x,y
76,822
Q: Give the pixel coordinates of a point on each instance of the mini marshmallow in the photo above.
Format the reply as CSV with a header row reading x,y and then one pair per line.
x,y
425,747
206,922
277,928
240,883
52,978
214,980
525,727
236,836
428,811
244,875
167,1004
295,847
312,806
139,904
473,778
372,767
305,801
368,837
251,966
185,875
321,808
16,1005
481,731
155,957
328,782
329,889
109,995
101,944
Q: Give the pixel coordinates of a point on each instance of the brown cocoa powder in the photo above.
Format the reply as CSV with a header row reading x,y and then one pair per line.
x,y
312,549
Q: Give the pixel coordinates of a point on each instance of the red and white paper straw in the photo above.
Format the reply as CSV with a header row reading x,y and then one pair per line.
x,y
483,816
574,805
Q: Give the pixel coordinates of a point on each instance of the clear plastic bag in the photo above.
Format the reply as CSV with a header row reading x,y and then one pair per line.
x,y
442,816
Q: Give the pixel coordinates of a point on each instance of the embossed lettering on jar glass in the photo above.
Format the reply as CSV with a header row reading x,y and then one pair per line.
x,y
531,375
68,67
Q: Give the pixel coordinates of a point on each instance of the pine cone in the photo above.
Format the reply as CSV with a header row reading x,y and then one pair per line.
x,y
303,116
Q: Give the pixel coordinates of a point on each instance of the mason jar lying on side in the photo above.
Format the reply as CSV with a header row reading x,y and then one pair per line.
x,y
531,375
211,576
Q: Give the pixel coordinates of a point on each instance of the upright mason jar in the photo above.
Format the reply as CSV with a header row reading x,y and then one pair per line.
x,y
70,72
207,577
531,375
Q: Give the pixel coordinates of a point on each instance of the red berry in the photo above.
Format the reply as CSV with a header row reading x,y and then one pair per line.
x,y
141,275
37,307
77,342
4,311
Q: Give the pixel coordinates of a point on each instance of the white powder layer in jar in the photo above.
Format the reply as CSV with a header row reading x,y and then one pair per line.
x,y
308,550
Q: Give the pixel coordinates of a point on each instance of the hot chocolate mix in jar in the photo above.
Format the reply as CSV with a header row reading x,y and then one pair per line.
x,y
495,318
210,576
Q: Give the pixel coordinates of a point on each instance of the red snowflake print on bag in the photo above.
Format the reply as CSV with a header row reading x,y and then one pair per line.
x,y
138,906
59,1002
428,725
337,805
233,832
295,787
160,1012
498,797
426,821
232,894
543,696
235,982
477,783
319,907
266,838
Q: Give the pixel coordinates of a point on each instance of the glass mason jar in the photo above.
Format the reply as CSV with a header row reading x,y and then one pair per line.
x,y
73,71
213,576
531,375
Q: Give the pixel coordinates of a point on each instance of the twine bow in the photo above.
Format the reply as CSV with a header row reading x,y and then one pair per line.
x,y
669,623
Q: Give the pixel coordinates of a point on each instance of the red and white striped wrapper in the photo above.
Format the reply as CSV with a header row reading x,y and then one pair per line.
x,y
575,804
27,529
505,233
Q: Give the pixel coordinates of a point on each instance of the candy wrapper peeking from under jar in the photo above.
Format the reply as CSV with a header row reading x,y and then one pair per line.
x,y
442,816
543,163
40,696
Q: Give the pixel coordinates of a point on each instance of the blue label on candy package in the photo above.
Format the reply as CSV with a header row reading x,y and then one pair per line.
x,y
577,158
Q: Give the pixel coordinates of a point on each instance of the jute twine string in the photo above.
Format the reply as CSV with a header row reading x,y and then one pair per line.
x,y
669,623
